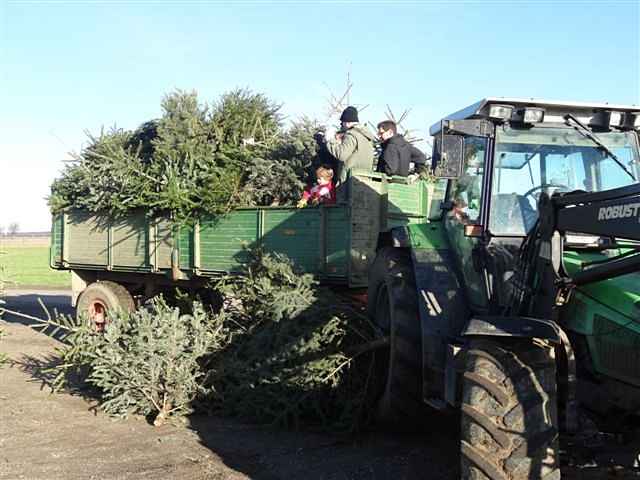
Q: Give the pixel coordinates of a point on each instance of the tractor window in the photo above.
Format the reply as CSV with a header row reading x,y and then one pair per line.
x,y
467,190
612,176
551,159
565,172
517,175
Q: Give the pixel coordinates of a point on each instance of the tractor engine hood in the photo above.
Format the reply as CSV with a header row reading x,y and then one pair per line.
x,y
621,294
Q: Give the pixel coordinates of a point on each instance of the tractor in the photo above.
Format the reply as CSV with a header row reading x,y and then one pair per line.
x,y
521,299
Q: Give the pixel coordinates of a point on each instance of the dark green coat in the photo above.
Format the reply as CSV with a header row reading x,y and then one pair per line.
x,y
354,151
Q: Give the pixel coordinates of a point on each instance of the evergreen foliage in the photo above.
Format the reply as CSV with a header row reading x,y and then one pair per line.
x,y
268,289
280,351
242,116
142,138
193,160
280,175
146,362
105,178
270,183
290,357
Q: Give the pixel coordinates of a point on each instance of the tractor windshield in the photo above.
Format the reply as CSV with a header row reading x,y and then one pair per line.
x,y
552,159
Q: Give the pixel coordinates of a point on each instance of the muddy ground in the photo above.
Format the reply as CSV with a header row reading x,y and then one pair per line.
x,y
62,436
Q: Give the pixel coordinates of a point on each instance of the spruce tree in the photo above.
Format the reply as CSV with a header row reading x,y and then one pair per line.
x,y
242,116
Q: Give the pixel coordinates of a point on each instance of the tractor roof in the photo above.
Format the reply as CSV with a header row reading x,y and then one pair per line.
x,y
554,109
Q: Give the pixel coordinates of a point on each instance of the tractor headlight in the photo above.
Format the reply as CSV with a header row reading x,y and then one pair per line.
x,y
528,115
500,111
600,121
533,115
628,120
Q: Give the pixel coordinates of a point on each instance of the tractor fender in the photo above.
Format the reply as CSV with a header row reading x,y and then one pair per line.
x,y
512,326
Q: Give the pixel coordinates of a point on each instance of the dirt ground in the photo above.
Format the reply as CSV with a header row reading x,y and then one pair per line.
x,y
62,436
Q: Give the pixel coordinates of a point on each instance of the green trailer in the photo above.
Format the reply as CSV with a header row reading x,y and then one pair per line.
x,y
113,261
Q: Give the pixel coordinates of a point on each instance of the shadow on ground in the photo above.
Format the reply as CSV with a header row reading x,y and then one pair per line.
x,y
267,454
28,303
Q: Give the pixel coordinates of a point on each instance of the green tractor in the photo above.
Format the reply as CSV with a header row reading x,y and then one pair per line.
x,y
523,298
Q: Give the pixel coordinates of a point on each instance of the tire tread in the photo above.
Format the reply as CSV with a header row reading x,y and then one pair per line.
x,y
509,382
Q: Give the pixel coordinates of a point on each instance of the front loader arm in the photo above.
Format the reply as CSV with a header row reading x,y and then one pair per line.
x,y
611,213
540,272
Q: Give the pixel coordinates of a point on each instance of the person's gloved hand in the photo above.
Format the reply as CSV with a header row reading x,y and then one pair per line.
x,y
412,178
319,137
302,203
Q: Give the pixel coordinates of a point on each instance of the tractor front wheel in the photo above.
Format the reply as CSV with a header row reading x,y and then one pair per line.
x,y
509,416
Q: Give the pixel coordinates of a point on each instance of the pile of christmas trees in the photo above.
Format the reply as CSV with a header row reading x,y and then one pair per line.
x,y
196,159
280,350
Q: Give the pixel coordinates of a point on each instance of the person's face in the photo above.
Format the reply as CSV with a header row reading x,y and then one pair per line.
x,y
323,180
384,135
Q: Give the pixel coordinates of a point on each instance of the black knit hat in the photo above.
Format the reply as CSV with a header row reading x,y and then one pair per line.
x,y
350,114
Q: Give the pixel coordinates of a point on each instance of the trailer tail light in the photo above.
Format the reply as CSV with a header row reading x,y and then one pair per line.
x,y
473,230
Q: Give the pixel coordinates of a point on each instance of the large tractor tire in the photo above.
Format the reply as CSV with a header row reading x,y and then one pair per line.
x,y
393,307
101,298
509,427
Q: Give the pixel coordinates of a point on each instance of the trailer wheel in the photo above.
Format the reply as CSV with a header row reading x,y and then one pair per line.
x,y
509,426
393,307
100,298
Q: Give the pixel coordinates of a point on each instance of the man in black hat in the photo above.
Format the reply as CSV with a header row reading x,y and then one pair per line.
x,y
353,147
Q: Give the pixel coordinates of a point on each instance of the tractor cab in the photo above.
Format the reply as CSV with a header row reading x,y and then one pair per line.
x,y
501,155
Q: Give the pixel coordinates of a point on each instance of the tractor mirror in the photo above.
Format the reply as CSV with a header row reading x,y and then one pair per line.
x,y
447,156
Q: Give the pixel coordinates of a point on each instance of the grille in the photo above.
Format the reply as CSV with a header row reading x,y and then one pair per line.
x,y
618,348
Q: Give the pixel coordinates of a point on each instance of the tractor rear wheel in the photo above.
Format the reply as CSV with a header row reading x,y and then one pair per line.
x,y
509,424
393,307
99,299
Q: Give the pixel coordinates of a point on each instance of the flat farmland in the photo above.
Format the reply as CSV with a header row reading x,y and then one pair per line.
x,y
25,264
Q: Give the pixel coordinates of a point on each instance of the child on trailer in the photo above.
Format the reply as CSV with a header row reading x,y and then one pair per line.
x,y
322,192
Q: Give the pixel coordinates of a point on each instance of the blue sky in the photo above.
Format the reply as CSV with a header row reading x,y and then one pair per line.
x,y
71,66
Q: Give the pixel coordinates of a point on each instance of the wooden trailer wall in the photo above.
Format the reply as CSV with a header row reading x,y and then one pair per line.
x,y
336,243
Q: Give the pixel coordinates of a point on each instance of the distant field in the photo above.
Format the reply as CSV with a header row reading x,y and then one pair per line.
x,y
27,266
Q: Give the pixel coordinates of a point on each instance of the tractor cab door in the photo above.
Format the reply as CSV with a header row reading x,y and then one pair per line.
x,y
465,199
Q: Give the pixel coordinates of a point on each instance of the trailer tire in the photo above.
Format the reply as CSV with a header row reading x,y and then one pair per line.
x,y
509,421
393,307
100,298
